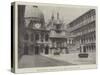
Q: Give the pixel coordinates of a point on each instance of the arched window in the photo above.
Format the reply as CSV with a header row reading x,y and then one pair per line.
x,y
42,37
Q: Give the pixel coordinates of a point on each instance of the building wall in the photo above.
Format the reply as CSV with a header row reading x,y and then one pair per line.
x,y
33,39
83,31
21,29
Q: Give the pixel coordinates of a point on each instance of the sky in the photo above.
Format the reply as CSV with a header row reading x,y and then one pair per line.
x,y
66,13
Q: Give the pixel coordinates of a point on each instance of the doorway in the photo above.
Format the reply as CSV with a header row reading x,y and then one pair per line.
x,y
46,49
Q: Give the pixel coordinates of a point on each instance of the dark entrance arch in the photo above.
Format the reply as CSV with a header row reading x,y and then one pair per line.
x,y
36,50
46,49
84,49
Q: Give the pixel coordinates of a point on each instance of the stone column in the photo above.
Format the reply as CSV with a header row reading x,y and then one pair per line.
x,y
82,49
80,41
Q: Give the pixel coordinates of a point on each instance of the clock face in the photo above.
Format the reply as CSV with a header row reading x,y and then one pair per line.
x,y
37,25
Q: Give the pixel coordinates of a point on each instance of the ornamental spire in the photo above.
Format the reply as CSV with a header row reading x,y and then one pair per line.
x,y
52,16
57,15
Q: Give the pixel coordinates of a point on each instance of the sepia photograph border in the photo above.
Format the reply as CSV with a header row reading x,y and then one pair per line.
x,y
47,69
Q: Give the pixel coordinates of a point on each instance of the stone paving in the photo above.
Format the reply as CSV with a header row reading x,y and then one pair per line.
x,y
74,59
30,61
